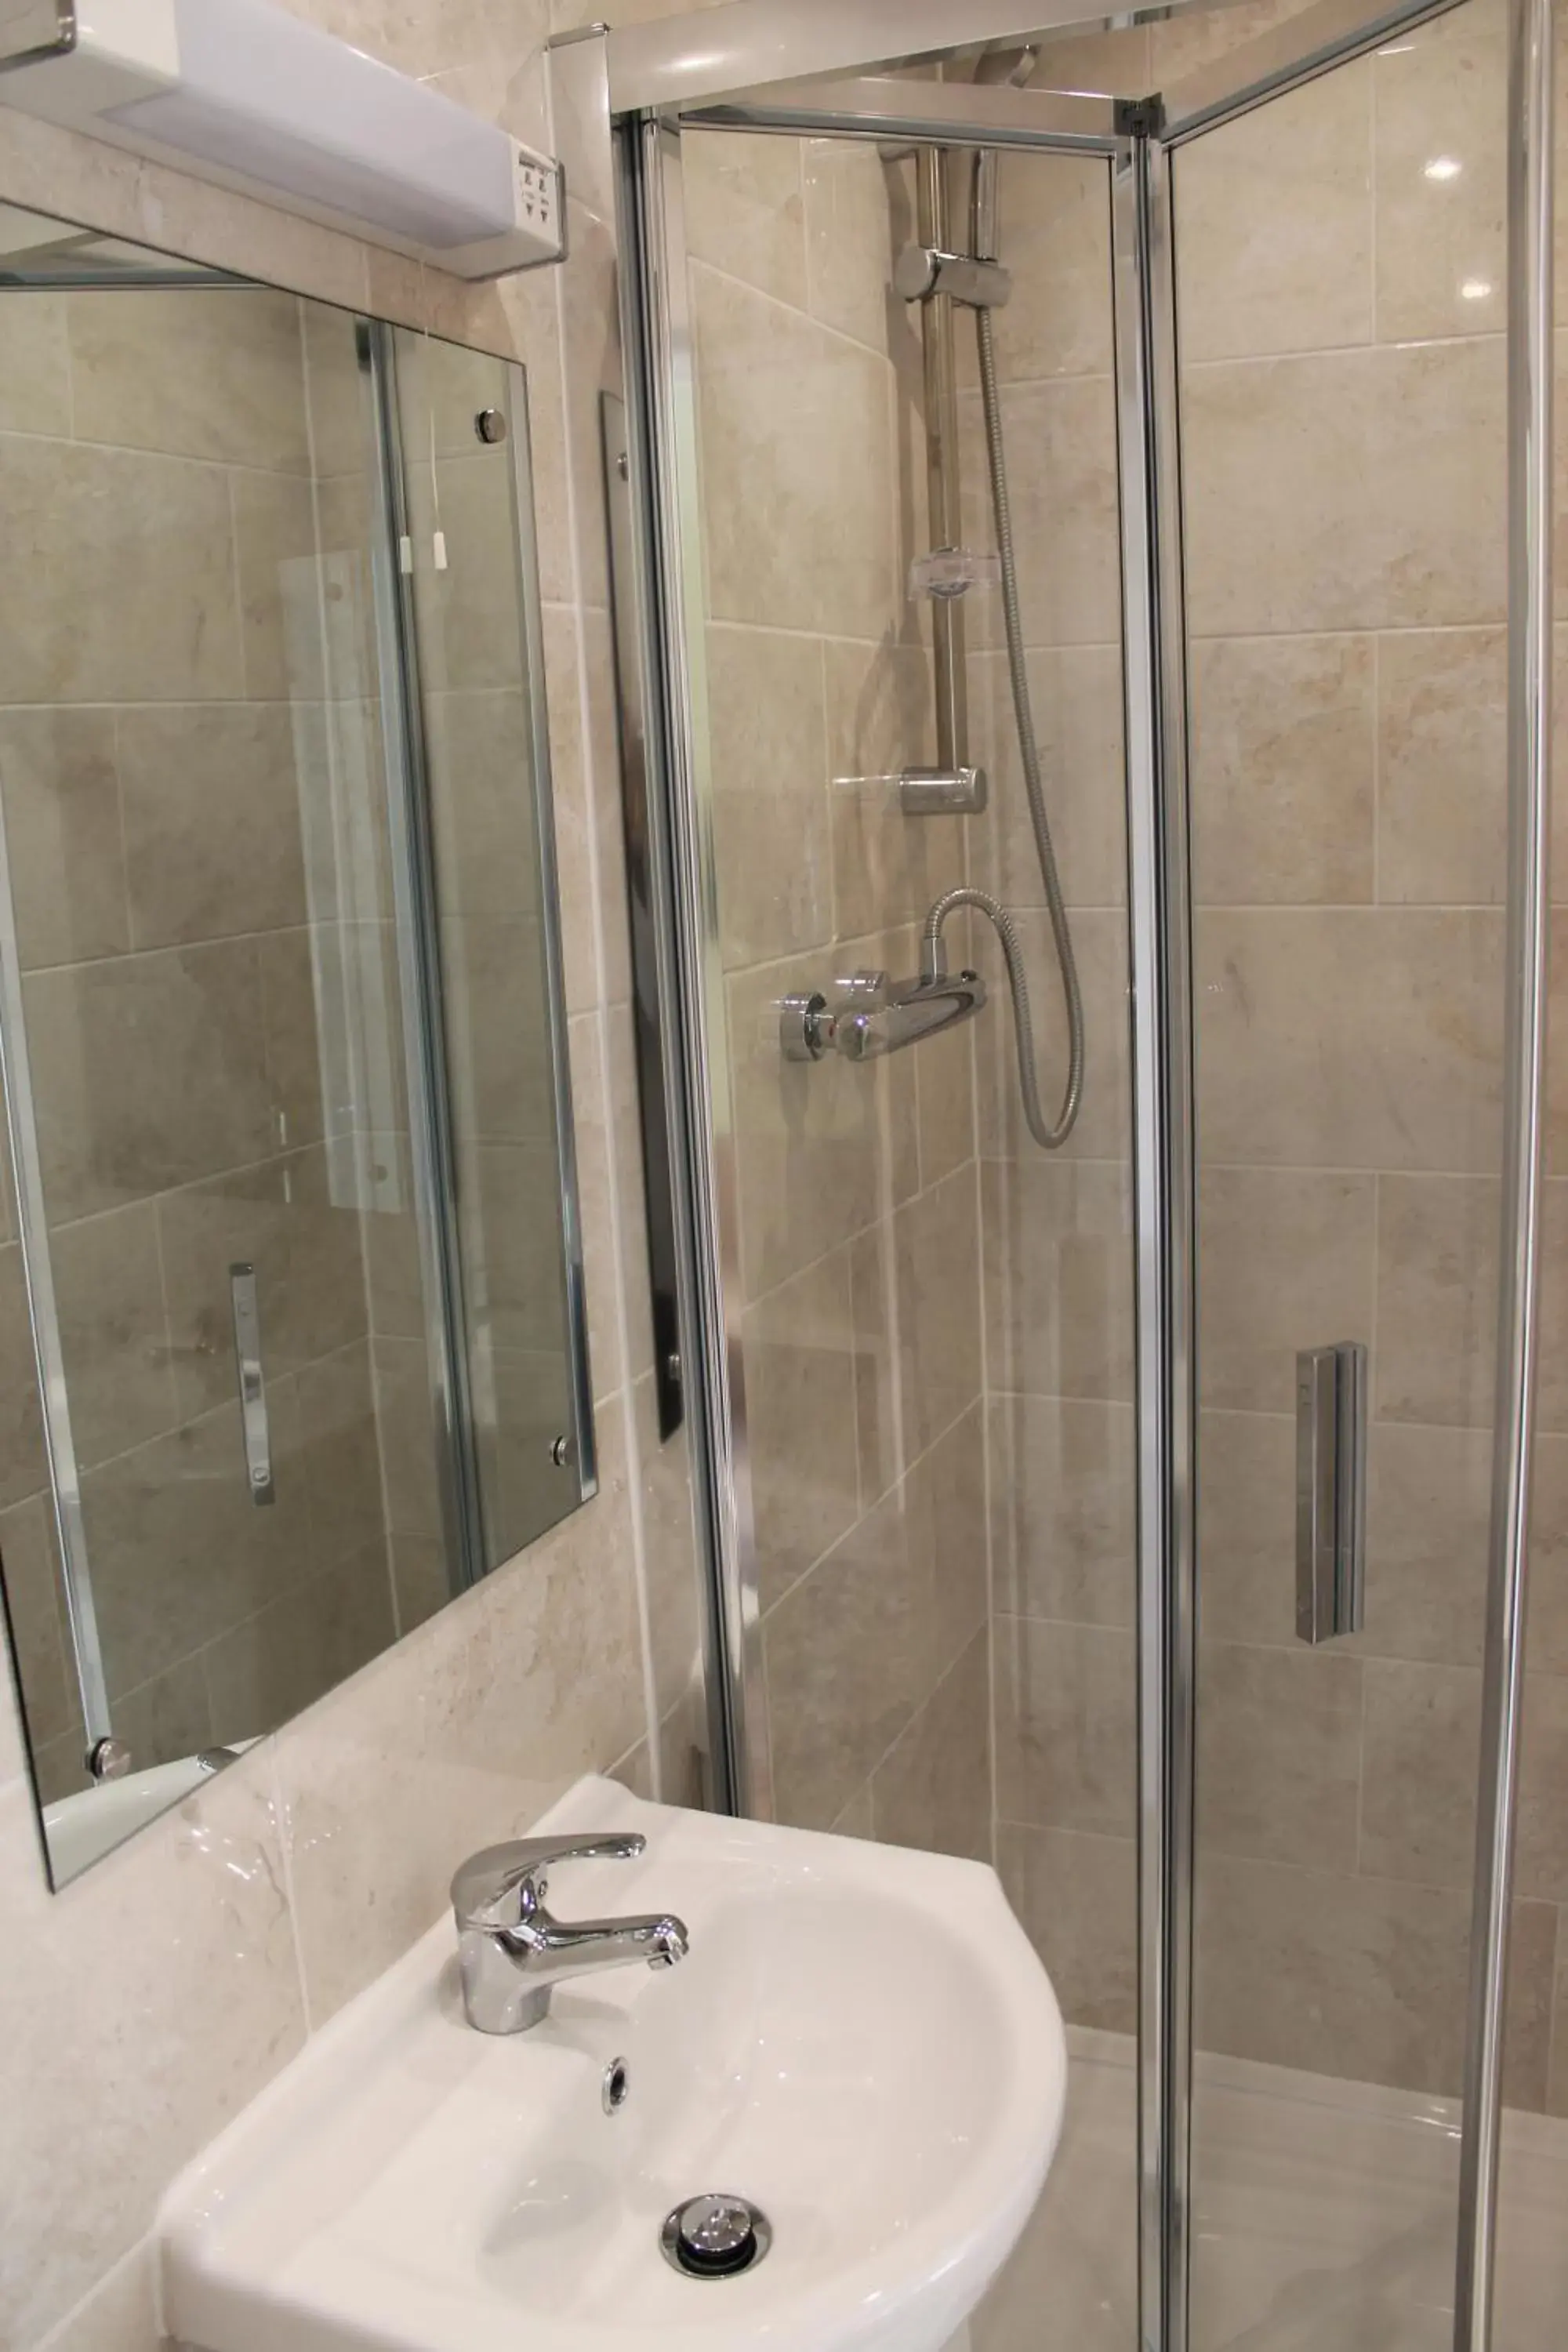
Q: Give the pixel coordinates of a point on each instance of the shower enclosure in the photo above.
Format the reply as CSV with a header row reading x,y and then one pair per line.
x,y
1147,1514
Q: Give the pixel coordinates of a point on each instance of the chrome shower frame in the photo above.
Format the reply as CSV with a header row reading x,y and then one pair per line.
x,y
659,85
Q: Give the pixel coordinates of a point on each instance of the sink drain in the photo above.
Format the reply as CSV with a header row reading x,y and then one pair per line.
x,y
715,2236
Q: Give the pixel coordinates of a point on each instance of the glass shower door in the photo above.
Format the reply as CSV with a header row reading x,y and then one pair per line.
x,y
1341,294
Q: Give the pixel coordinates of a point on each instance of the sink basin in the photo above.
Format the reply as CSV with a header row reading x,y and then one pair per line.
x,y
861,2043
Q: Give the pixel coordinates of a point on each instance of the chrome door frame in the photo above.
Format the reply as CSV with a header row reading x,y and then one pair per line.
x,y
1530,266
1165,1213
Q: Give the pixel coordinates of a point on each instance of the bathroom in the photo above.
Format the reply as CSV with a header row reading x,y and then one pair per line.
x,y
776,886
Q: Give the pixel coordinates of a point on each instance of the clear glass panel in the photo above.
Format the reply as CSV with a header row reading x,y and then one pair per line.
x,y
468,584
1340,257
935,1317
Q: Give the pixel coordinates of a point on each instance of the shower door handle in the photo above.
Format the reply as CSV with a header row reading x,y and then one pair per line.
x,y
254,1424
1330,1490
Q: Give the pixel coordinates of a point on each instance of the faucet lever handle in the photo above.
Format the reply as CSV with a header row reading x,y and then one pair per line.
x,y
484,1884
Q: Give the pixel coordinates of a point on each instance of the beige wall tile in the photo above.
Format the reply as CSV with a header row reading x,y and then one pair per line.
x,y
1246,1524
1284,757
917,1321
211,804
1346,491
63,835
1064,1725
24,1467
838,1653
120,2314
306,1250
1358,1977
1286,1263
202,1999
886,867
34,1606
1442,755
1429,1505
1542,1834
159,526
670,1571
801,1429
1061,443
1058,1277
945,1104
1063,1498
1348,1039
1280,1754
1442,235
848,190
305,1643
1423,1739
176,1540
277,550
215,372
771,801
1056,241
1103,1127
36,397
809,1162
1186,43
1078,1897
933,1789
113,1331
858,1646
797,452
434,1736
1436,1283
1075,702
340,1462
117,1122
745,209
1273,251
169,1715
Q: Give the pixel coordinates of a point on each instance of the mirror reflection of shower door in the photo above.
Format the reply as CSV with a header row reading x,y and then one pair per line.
x,y
198,967
1341,294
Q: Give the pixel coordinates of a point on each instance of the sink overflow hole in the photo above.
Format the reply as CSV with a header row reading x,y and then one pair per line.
x,y
616,2084
715,2236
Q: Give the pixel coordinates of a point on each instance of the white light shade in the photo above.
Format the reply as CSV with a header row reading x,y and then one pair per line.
x,y
240,91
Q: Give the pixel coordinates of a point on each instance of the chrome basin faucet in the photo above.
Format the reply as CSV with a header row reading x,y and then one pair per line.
x,y
511,1953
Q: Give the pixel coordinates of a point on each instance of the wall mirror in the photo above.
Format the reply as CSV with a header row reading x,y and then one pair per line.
x,y
291,1332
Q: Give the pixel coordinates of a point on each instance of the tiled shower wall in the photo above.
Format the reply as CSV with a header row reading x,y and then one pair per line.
x,y
1342,377
854,1186
166,763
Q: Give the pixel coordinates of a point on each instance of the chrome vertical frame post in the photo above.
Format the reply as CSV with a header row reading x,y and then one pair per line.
x,y
38,1276
416,932
1166,1211
1530,522
663,459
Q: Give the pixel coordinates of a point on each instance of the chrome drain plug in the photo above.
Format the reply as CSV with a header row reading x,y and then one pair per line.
x,y
715,2236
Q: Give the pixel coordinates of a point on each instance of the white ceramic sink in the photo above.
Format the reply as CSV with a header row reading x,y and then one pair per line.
x,y
861,2042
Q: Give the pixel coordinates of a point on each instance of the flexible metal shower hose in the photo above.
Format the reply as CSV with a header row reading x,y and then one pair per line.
x,y
1050,1138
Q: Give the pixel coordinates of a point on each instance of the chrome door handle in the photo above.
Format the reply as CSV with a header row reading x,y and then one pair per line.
x,y
1330,1490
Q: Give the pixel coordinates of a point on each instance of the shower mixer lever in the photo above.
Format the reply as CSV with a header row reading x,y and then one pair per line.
x,y
870,1014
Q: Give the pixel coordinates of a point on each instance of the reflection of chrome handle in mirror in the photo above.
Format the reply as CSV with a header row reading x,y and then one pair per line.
x,y
1330,1490
252,1392
871,1014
